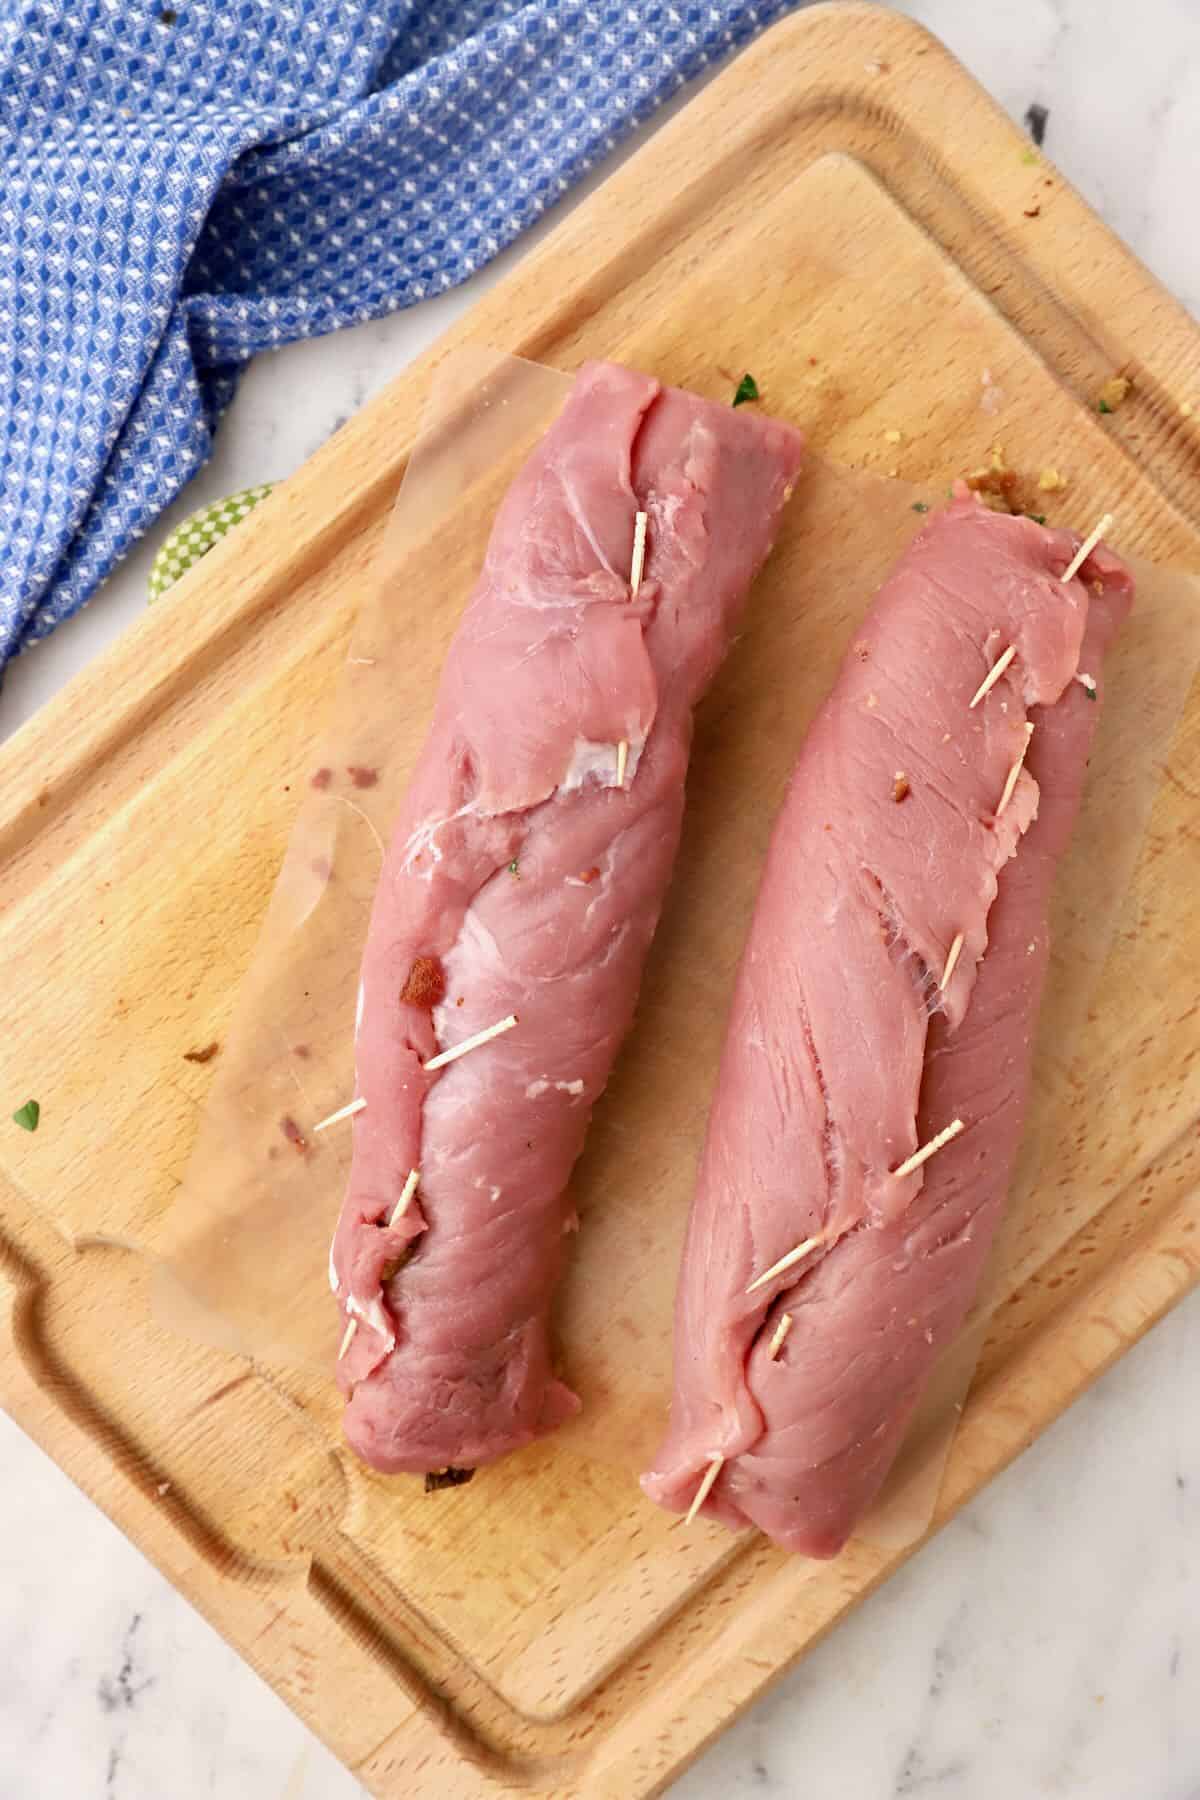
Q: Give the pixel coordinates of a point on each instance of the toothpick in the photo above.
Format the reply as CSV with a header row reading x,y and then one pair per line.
x,y
715,1465
1011,780
781,1331
351,1328
993,675
638,563
471,1043
930,1149
639,551
343,1112
1085,549
786,1262
406,1194
952,956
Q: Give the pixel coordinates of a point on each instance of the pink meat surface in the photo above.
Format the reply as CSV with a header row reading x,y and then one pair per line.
x,y
844,1054
521,878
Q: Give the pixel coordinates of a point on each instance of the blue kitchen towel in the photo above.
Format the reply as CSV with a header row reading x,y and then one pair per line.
x,y
182,186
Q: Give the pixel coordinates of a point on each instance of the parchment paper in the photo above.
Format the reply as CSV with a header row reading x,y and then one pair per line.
x,y
245,1264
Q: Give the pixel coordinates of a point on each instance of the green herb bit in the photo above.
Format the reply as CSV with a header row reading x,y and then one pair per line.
x,y
1030,156
27,1116
1038,518
514,868
920,506
747,389
1089,690
1104,407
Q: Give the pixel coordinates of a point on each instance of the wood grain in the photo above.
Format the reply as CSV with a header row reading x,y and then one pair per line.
x,y
847,216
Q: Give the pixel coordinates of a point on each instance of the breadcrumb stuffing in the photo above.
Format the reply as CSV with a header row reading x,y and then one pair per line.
x,y
996,484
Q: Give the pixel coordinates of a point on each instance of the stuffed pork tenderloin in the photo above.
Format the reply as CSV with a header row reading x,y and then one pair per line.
x,y
518,898
876,1070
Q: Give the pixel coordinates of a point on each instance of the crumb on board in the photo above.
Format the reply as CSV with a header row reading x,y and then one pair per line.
x,y
1051,482
1186,408
446,1478
893,437
1113,394
901,787
204,1055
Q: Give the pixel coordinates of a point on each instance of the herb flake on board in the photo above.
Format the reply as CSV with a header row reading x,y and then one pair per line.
x,y
747,389
27,1116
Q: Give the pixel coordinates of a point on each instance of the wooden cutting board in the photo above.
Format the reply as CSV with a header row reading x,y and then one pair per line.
x,y
845,214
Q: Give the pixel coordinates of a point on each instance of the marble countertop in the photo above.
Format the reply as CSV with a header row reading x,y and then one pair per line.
x,y
1046,1642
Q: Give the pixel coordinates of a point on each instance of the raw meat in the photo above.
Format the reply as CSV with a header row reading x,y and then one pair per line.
x,y
523,878
845,1052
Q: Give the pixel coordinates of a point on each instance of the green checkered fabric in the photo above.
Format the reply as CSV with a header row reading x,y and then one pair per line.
x,y
197,535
